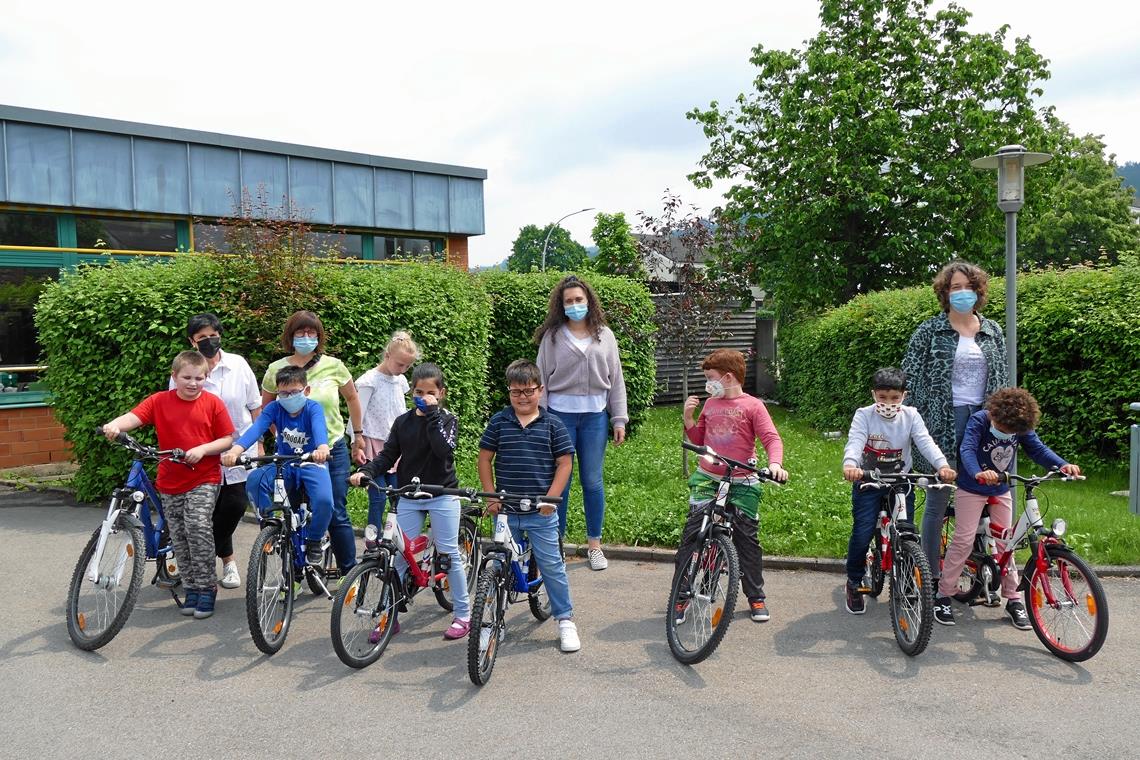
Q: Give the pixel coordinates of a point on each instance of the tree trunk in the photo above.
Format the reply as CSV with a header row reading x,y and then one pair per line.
x,y
684,397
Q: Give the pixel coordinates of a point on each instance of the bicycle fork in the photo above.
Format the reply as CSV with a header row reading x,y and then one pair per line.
x,y
113,579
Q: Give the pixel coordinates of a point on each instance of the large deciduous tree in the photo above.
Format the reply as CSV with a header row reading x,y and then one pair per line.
x,y
617,248
850,159
561,252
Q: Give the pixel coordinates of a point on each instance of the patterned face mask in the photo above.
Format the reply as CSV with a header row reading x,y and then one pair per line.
x,y
887,411
714,388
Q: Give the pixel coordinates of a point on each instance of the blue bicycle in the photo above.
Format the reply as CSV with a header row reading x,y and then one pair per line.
x,y
109,573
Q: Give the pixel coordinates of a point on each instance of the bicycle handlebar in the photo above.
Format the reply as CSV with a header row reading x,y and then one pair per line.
x,y
1033,480
247,461
887,479
415,489
763,472
127,442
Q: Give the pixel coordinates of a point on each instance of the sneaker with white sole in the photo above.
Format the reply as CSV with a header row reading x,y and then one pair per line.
x,y
942,612
597,560
230,577
568,636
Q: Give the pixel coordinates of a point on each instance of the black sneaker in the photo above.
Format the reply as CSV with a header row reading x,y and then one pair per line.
x,y
314,554
1017,615
942,612
855,603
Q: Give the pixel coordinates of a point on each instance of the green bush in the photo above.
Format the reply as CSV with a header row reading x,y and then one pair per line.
x,y
519,304
1078,345
109,334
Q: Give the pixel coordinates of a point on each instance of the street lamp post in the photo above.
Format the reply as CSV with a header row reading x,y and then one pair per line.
x,y
547,240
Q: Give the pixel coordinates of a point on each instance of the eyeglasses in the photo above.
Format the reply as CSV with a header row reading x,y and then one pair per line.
x,y
290,394
523,392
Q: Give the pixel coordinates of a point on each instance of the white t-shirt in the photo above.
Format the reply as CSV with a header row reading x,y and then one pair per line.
x,y
381,401
968,376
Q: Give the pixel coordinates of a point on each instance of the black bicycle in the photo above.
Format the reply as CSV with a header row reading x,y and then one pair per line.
x,y
703,597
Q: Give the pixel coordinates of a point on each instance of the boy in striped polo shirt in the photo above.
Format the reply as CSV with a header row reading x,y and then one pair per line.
x,y
526,451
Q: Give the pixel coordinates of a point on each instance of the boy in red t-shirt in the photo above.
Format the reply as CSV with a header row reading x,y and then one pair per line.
x,y
730,423
198,423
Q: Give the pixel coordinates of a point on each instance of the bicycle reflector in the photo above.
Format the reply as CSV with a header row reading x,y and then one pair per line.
x,y
1059,527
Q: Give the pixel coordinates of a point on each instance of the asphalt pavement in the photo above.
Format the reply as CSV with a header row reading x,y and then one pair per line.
x,y
813,682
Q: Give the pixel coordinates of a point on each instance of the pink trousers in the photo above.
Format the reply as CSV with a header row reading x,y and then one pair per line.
x,y
967,512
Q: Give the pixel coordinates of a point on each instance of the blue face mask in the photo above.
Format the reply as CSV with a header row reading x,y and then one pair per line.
x,y
577,312
962,301
292,404
1000,435
420,403
305,345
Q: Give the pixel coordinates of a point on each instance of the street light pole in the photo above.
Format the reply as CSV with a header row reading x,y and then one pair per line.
x,y
548,232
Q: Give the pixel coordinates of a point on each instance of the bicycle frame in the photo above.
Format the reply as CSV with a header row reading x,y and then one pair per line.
x,y
514,553
398,542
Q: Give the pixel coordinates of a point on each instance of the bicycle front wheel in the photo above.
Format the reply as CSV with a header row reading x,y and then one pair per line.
x,y
702,601
488,624
97,609
912,598
470,550
1075,624
269,589
538,599
364,613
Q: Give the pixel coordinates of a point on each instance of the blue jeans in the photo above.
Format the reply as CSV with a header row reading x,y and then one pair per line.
x,y
445,512
542,532
340,527
589,432
315,478
865,505
377,499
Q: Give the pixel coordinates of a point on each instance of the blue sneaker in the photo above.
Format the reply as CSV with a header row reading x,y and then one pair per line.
x,y
205,606
190,603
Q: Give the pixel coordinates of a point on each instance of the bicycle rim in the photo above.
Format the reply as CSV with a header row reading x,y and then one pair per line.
x,y
702,601
488,625
1075,625
363,615
97,610
912,613
269,589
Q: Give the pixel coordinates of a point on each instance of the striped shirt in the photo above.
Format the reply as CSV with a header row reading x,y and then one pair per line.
x,y
525,456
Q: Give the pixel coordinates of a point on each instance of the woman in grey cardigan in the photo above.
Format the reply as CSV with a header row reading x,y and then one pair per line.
x,y
953,362
580,367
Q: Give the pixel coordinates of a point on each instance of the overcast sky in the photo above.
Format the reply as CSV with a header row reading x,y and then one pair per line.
x,y
565,105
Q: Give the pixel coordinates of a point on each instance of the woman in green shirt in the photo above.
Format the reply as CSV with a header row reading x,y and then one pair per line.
x,y
329,381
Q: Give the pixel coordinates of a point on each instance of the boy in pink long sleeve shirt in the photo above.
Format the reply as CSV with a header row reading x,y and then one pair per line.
x,y
730,423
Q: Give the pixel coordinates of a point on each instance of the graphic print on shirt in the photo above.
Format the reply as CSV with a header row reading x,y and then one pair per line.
x,y
724,427
296,438
878,455
1000,453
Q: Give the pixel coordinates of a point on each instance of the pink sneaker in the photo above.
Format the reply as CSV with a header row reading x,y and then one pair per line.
x,y
457,630
378,631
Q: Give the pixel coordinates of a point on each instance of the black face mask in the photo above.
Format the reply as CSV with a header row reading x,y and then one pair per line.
x,y
209,347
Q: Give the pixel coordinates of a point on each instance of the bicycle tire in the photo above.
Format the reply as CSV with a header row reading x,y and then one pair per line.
x,y
873,570
712,579
1082,611
92,626
367,597
269,589
912,598
471,550
488,625
538,599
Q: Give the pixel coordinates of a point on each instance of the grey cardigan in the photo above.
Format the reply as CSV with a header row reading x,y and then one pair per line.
x,y
564,369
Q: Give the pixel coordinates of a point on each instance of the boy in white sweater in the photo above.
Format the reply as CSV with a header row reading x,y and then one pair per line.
x,y
880,439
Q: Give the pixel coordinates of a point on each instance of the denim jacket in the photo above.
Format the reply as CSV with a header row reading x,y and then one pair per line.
x,y
929,364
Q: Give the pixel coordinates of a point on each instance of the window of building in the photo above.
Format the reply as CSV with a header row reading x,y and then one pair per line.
x,y
18,228
20,288
211,237
334,244
126,234
409,248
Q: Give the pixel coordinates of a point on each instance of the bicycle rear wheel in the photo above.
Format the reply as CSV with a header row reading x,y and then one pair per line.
x,y
364,613
269,589
488,624
97,610
470,550
1075,626
912,602
702,600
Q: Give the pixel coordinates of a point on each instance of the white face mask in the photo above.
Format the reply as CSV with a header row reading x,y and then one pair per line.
x,y
887,411
714,388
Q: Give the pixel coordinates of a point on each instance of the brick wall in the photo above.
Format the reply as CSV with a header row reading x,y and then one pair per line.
x,y
31,436
457,252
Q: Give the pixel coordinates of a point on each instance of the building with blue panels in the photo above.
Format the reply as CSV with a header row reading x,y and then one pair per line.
x,y
81,189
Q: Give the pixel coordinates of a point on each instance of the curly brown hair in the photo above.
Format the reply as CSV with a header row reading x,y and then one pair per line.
x,y
1014,410
556,314
979,282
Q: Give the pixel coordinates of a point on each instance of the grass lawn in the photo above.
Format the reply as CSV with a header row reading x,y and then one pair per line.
x,y
646,496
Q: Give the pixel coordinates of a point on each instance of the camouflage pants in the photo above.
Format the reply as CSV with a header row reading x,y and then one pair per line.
x,y
190,516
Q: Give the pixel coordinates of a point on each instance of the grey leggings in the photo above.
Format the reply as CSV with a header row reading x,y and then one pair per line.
x,y
937,500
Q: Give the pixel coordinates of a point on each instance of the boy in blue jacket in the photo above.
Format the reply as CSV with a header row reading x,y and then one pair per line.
x,y
989,447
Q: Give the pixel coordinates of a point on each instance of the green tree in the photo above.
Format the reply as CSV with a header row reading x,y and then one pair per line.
x,y
561,252
617,248
851,157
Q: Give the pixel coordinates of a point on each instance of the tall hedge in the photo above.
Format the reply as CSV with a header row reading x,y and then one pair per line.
x,y
519,303
109,334
1078,353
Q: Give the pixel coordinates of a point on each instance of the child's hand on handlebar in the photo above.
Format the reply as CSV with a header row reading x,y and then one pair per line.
x,y
194,455
947,475
229,459
546,509
321,454
988,478
1071,469
852,474
492,507
357,478
111,431
779,474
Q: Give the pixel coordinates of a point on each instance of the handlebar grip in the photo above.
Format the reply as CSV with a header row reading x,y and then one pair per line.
x,y
177,453
694,447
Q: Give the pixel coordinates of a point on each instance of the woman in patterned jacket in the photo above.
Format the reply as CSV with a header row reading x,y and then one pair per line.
x,y
953,362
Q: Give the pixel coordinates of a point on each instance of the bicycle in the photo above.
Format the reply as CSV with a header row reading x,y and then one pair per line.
x,y
895,551
277,558
704,589
508,571
101,594
1067,606
365,613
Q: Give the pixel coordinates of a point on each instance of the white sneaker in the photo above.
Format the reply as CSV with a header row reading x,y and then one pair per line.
x,y
568,636
230,577
598,560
